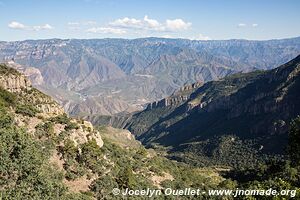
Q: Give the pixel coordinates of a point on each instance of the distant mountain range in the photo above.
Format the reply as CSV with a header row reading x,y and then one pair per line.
x,y
237,121
108,76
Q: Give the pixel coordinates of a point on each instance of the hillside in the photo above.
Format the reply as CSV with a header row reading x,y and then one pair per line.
x,y
108,76
47,155
227,121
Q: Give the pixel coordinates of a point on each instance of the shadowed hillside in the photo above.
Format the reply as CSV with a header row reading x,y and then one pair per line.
x,y
226,121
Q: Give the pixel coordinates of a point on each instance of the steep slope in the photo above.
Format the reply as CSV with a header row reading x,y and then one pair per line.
x,y
121,119
31,108
229,120
136,71
47,155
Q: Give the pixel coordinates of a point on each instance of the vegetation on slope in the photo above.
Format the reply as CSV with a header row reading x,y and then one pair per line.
x,y
5,70
226,122
41,159
46,162
279,175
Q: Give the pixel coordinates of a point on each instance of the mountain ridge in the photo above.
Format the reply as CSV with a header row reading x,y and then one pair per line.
x,y
253,107
148,69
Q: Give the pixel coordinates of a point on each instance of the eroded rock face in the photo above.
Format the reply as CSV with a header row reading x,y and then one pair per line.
x,y
29,97
50,110
179,97
32,73
14,83
88,125
85,133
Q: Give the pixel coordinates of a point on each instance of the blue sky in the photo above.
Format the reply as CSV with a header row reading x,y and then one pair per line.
x,y
192,19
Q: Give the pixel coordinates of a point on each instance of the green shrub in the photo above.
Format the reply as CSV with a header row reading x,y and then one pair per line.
x,y
71,126
294,142
6,119
103,186
45,130
70,175
90,154
26,110
7,98
24,168
60,119
62,135
125,178
5,70
69,150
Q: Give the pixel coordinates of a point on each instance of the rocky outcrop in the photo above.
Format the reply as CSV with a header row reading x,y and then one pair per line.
x,y
50,109
189,88
177,98
32,99
85,132
14,82
33,74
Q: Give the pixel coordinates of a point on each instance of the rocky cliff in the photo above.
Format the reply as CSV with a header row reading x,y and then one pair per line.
x,y
253,109
37,108
13,81
177,98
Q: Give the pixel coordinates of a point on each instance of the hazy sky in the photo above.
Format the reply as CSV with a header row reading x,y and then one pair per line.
x,y
192,19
